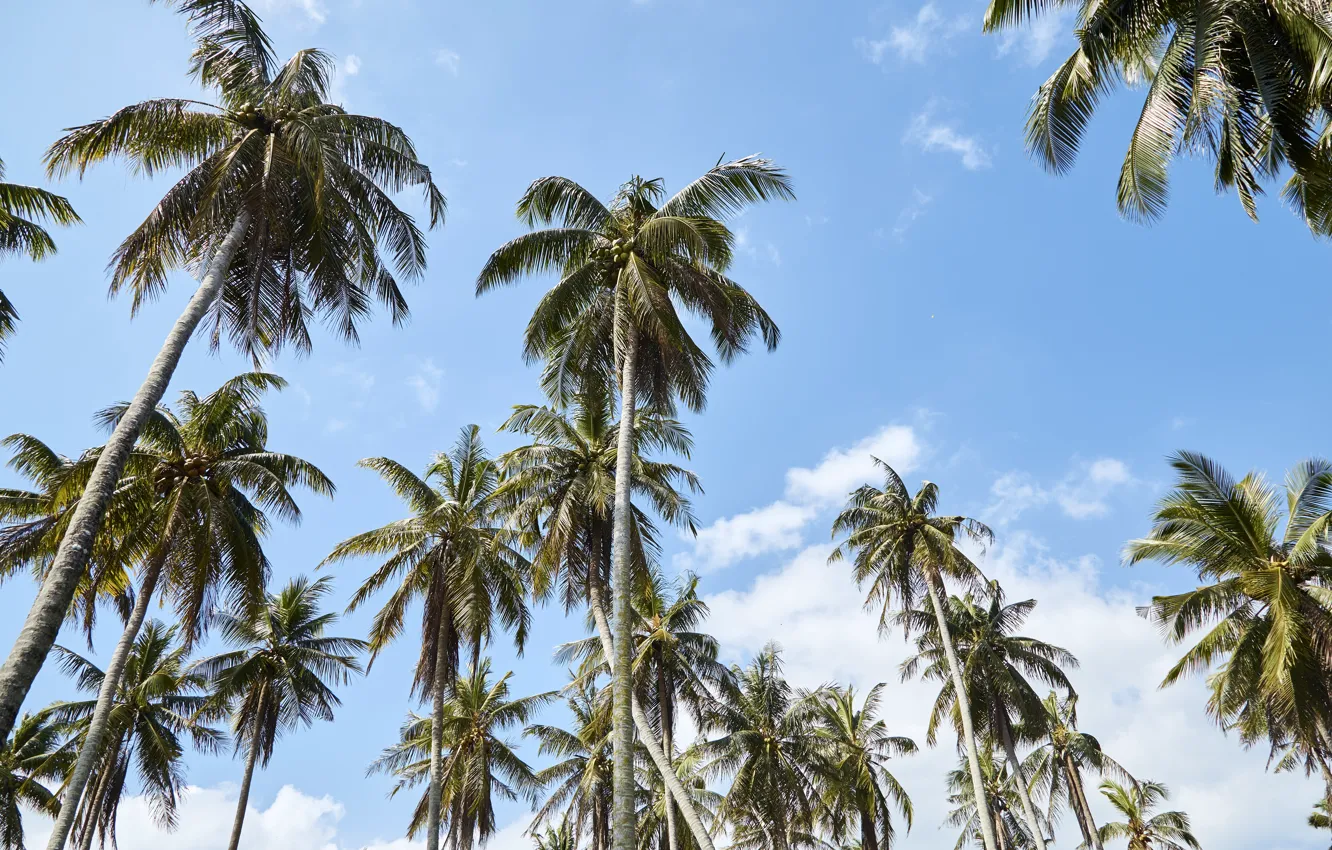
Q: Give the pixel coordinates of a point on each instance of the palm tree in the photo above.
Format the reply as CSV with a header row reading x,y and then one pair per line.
x,y
626,269
1318,818
23,209
1142,829
998,665
478,764
158,702
213,477
1247,85
767,747
858,790
455,556
283,210
658,803
563,485
33,755
1268,629
555,838
1057,764
903,549
578,784
1001,804
281,676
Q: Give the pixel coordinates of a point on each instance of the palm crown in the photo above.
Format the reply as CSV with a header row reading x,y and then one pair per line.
x,y
32,758
306,182
1143,829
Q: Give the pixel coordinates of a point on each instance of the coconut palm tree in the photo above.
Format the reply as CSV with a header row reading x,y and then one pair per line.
x,y
999,666
1057,764
767,748
23,211
903,549
626,270
1001,804
33,757
1318,818
563,486
554,838
1142,829
1247,85
858,790
282,674
658,803
455,555
1267,628
479,764
158,704
578,784
214,477
284,210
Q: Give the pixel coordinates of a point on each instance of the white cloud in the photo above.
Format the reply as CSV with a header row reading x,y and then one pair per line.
x,y
426,383
815,612
352,65
770,528
774,255
314,10
914,40
912,211
842,470
448,59
929,134
1034,41
1082,494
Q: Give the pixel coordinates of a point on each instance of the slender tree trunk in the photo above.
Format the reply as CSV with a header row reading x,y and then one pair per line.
x,y
92,804
1082,806
244,800
667,718
869,835
48,611
964,708
437,738
687,808
92,748
622,675
1019,778
999,830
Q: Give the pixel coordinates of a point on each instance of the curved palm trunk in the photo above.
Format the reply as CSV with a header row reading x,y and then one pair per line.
x,y
92,747
622,688
48,611
437,738
964,708
1019,778
687,809
1081,807
667,718
92,804
244,800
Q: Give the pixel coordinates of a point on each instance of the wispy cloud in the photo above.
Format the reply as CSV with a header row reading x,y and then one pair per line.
x,y
912,211
1083,493
449,59
1032,43
352,65
916,39
314,10
930,134
426,383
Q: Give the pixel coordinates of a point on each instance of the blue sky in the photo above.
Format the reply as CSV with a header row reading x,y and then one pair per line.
x,y
943,301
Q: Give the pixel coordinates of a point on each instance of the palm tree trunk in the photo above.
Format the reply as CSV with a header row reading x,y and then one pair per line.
x,y
1081,807
687,808
244,800
437,738
92,748
1019,778
998,830
622,679
869,836
667,718
92,804
964,708
48,611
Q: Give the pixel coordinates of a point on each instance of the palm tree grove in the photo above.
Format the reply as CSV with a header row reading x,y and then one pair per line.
x,y
874,492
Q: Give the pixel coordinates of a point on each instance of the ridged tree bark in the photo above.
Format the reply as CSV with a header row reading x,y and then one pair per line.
x,y
42,625
1019,778
438,687
622,679
667,718
243,801
964,708
92,748
1080,805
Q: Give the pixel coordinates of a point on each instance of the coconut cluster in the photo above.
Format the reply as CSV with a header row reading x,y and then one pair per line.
x,y
617,252
255,116
171,475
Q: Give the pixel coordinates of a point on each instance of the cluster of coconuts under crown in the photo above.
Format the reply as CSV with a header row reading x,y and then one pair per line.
x,y
265,117
616,252
173,474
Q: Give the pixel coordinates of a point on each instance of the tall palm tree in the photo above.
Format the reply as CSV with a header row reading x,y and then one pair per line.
x,y
479,764
563,485
658,804
1001,804
903,549
578,784
613,319
455,555
213,478
23,211
1262,604
33,756
284,212
1056,765
554,838
158,703
1142,829
767,747
999,666
858,790
1247,84
282,674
